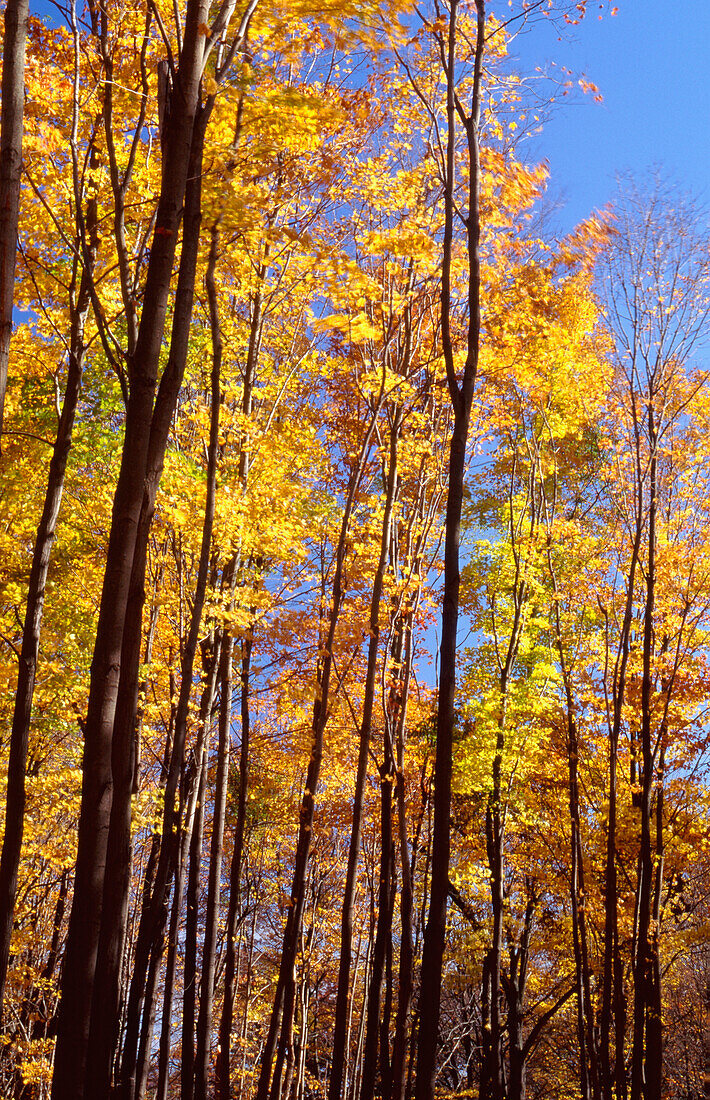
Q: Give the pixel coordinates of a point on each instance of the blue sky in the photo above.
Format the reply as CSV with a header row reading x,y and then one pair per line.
x,y
651,63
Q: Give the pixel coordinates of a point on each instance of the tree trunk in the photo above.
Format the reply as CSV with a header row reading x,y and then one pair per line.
x,y
461,398
406,904
148,1022
188,824
346,930
586,1035
589,1072
284,998
29,652
223,1089
222,1086
383,931
515,987
187,1069
69,1081
613,1001
644,1086
11,116
654,1023
118,857
209,950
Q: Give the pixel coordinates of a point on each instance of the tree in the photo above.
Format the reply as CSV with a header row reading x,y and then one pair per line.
x,y
11,116
654,282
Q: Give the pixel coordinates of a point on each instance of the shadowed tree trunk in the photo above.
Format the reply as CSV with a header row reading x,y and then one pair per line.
x,y
118,856
346,930
586,1033
69,1081
406,946
385,905
189,796
461,395
29,651
284,998
187,1068
646,1065
223,1089
209,950
613,1002
11,115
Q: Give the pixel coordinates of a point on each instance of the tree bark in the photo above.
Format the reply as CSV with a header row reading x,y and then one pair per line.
x,y
209,950
461,398
406,896
346,930
69,1080
118,856
586,1034
222,1085
613,1003
189,966
187,1068
223,1090
515,988
644,1085
284,998
11,117
188,823
29,652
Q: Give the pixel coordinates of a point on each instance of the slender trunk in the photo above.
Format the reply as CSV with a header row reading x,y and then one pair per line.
x,y
406,946
484,1089
148,881
586,1036
493,1071
11,110
209,949
346,929
461,398
654,1024
589,1073
223,1086
42,1024
247,995
382,934
516,1080
29,652
188,823
11,117
187,1069
494,838
225,719
613,1001
282,1009
304,1000
148,1023
493,1081
515,987
611,948
97,777
642,1084
706,1040
166,1023
385,1061
351,1011
354,1091
118,857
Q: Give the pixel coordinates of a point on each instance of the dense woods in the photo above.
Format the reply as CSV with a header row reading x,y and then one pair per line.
x,y
354,570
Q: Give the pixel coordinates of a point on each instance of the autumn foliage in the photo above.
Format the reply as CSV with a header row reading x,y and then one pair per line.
x,y
296,368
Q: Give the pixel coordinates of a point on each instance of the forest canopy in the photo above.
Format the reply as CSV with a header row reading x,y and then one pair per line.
x,y
354,569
